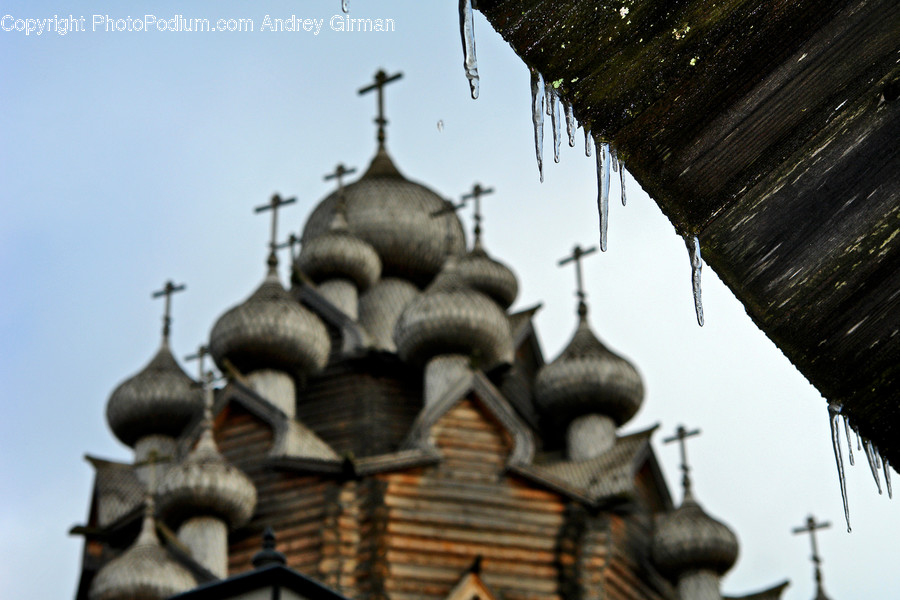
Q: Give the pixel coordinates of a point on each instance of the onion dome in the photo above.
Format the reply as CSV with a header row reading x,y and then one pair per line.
x,y
204,484
489,277
452,318
145,570
394,216
160,399
588,378
688,539
339,254
270,330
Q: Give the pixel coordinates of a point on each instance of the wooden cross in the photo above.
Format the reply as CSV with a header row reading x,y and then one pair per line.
x,y
448,208
200,357
291,242
168,289
476,194
577,254
339,172
274,204
682,434
381,80
810,528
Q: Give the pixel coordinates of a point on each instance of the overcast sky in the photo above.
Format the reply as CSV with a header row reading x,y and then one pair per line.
x,y
128,158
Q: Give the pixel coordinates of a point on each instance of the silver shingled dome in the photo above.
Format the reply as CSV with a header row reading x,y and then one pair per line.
x,y
394,216
270,330
204,484
688,539
452,318
588,378
339,254
486,275
160,399
144,571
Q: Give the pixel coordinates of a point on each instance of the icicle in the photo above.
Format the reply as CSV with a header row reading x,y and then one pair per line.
x,y
887,477
849,443
834,413
858,442
537,118
603,188
870,455
693,246
877,457
570,124
467,31
613,158
622,181
345,6
440,125
587,142
553,100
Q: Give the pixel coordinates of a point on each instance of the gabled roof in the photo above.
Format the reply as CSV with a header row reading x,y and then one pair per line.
x,y
293,440
772,593
475,382
268,577
608,477
118,491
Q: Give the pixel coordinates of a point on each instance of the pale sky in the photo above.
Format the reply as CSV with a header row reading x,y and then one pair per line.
x,y
129,158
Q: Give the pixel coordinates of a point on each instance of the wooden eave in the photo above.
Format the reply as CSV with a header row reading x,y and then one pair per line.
x,y
769,128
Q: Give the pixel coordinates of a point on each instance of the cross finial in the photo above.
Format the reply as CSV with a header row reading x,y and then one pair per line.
x,y
168,289
577,254
274,204
448,209
200,356
682,434
341,206
810,528
381,80
291,242
476,194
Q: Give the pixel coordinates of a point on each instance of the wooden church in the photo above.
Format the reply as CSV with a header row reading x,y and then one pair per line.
x,y
398,429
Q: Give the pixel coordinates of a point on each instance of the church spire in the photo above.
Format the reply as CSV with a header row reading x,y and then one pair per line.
x,y
381,80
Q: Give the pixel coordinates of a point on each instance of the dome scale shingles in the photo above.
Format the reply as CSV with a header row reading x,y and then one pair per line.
x,y
204,484
145,571
588,378
688,539
270,330
452,318
160,399
394,216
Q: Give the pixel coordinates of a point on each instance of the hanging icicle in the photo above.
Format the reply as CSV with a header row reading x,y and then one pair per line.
x,y
570,124
603,189
873,465
537,118
345,6
622,181
693,246
587,142
553,100
467,31
834,413
887,477
849,443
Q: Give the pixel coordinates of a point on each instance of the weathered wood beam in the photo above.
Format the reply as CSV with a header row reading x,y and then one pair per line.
x,y
768,128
